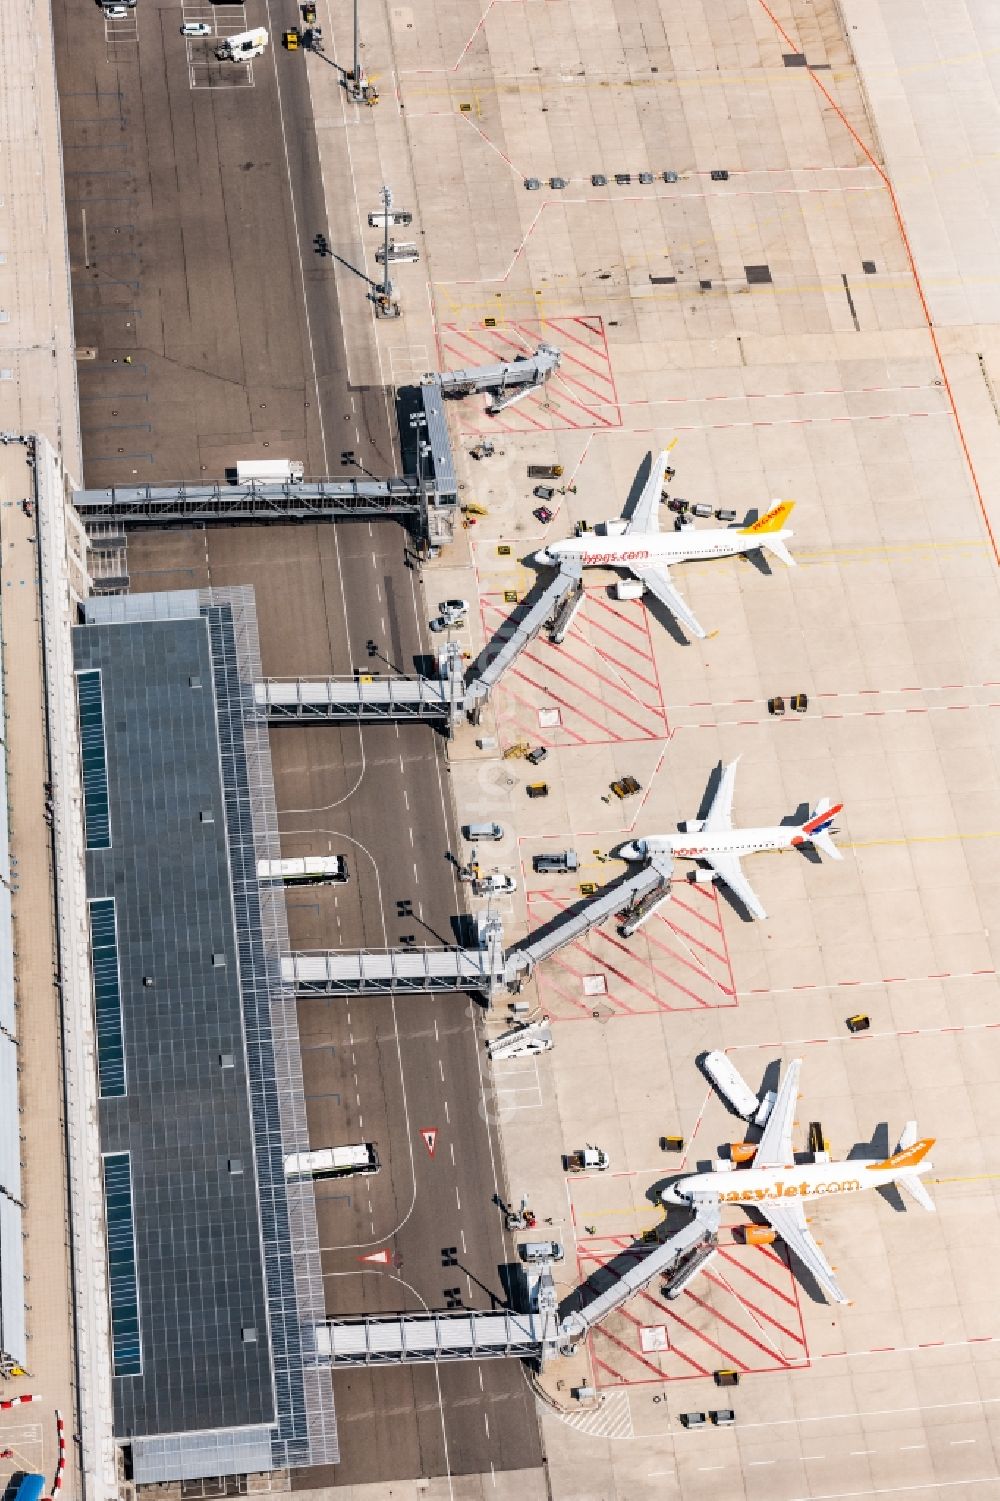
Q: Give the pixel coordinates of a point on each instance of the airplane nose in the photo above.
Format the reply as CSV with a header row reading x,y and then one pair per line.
x,y
542,556
671,1196
634,851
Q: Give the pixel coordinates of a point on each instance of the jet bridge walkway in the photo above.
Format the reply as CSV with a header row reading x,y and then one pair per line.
x,y
555,607
411,1338
508,380
538,1335
676,1259
638,898
369,700
405,971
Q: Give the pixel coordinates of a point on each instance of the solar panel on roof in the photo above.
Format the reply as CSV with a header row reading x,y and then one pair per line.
x,y
126,1344
96,814
107,997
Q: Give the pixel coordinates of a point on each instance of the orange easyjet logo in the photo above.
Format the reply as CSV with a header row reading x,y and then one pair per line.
x,y
909,1157
782,1190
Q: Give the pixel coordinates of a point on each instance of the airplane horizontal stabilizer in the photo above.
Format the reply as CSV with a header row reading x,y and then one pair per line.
x,y
911,1184
777,548
826,846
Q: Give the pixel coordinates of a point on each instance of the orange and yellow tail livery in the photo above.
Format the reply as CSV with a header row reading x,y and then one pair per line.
x,y
907,1158
774,520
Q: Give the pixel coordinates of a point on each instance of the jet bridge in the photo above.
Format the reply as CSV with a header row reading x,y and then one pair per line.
x,y
405,971
677,1259
411,1338
555,607
365,699
508,380
638,897
537,1335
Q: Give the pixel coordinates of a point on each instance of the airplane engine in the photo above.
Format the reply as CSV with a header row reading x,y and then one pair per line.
x,y
703,877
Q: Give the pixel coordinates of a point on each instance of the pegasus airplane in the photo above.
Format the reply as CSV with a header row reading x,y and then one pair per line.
x,y
713,841
781,1189
638,545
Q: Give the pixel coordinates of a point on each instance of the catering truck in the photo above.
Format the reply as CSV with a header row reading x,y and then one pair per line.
x,y
267,472
242,46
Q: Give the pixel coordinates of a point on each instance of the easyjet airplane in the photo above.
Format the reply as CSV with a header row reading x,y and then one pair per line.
x,y
638,545
781,1189
720,847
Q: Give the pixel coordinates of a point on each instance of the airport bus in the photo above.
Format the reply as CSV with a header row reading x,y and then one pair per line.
x,y
333,1162
312,870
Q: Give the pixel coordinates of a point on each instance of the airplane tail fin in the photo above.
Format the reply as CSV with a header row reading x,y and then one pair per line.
x,y
819,827
909,1182
909,1154
772,521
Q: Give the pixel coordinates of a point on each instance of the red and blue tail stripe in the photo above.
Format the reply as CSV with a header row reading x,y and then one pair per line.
x,y
821,823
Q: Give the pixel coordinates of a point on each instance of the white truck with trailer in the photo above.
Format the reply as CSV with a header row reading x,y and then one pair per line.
x,y
268,472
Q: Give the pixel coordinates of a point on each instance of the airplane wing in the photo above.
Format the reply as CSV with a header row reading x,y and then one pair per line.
x,y
790,1222
657,580
729,869
719,818
646,515
775,1146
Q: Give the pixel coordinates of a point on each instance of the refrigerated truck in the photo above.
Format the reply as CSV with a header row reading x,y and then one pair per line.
x,y
333,1162
309,870
268,472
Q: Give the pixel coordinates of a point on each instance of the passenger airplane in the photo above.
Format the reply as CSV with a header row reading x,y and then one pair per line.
x,y
638,545
714,840
779,1188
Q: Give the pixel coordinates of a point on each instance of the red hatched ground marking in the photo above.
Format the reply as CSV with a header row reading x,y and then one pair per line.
x,y
743,1312
581,395
678,961
603,679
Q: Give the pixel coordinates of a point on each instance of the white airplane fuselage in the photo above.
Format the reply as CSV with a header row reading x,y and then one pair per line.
x,y
645,548
726,842
814,1181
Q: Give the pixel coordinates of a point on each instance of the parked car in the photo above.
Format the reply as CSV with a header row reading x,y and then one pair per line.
x,y
454,607
196,28
115,12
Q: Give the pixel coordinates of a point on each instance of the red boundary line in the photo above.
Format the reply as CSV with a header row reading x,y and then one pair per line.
x,y
897,213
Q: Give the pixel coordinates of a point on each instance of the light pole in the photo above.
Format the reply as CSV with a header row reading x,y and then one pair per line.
x,y
356,71
382,296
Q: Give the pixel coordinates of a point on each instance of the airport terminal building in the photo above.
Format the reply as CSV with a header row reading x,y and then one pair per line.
x,y
213,1257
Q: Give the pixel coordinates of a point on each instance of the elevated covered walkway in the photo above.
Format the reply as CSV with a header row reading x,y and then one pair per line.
x,y
675,1259
369,700
538,1335
204,505
557,604
641,893
410,1338
413,971
507,380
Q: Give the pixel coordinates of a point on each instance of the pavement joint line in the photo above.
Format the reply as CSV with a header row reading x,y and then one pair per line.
x,y
799,1042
